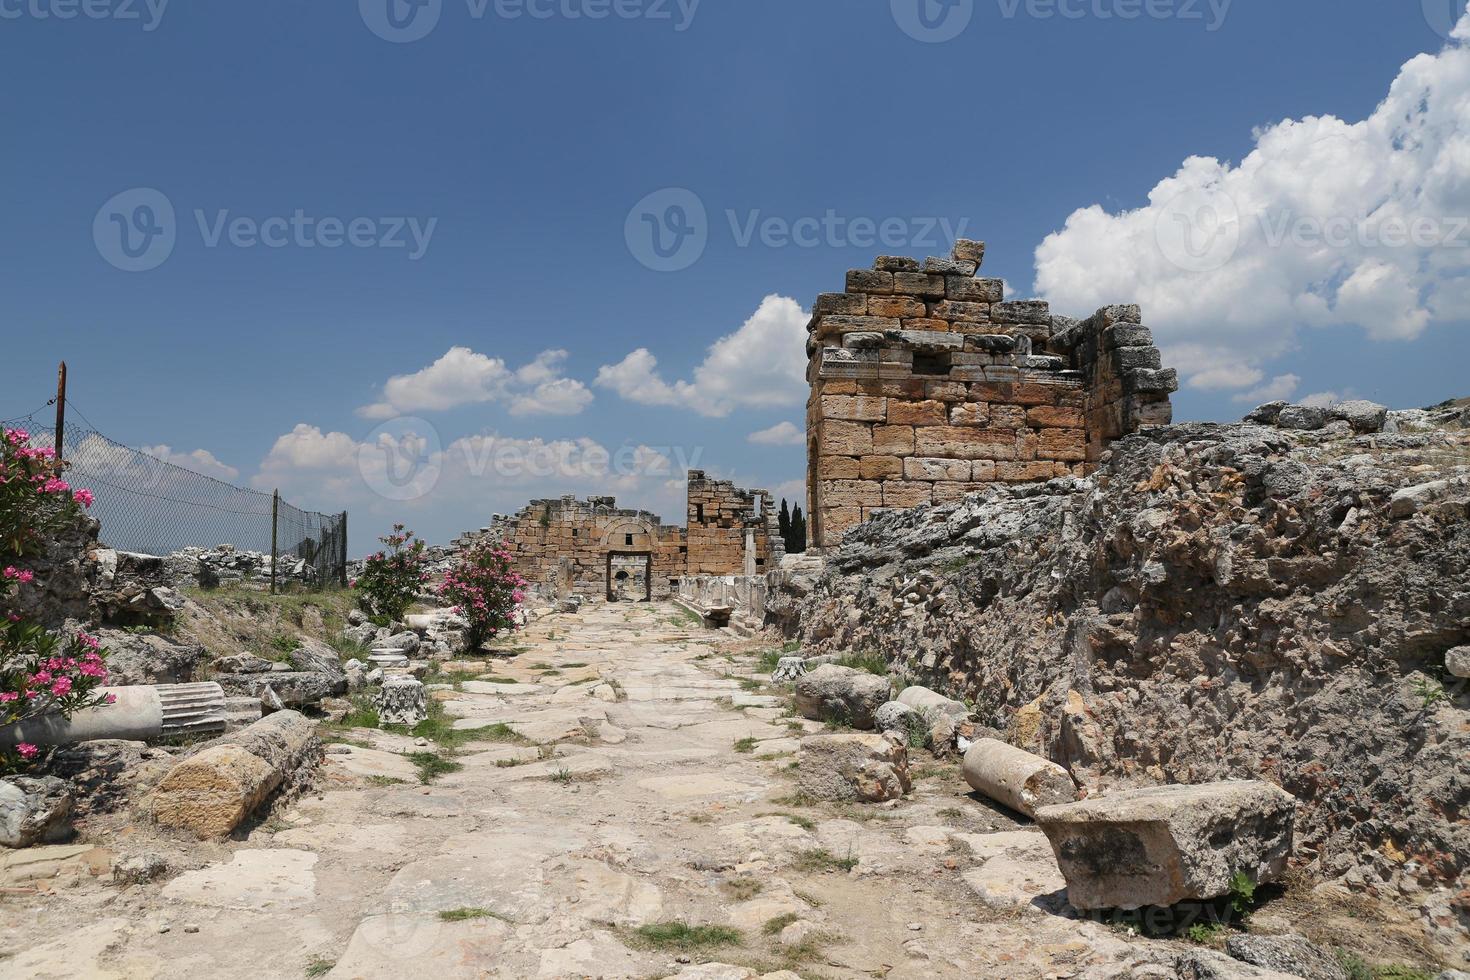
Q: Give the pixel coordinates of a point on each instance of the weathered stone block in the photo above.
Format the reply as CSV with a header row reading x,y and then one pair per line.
x,y
896,263
833,325
880,467
893,440
846,304
1018,472
949,267
965,443
836,438
904,495
1127,335
1146,380
916,413
969,250
969,290
837,468
851,493
956,310
1169,844
924,333
946,492
839,693
854,408
902,307
1069,445
918,284
211,792
864,768
934,470
970,413
869,281
34,810
1126,359
1032,311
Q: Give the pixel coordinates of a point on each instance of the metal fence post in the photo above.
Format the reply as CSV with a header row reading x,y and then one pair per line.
x,y
275,517
344,549
60,410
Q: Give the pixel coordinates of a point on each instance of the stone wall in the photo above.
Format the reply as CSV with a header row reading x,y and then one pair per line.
x,y
926,386
562,546
726,522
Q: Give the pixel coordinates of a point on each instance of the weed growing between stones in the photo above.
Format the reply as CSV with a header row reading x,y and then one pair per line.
x,y
743,889
819,859
867,661
432,766
745,745
682,937
319,966
465,914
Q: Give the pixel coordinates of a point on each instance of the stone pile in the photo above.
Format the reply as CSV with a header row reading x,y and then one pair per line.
x,y
308,674
841,694
859,768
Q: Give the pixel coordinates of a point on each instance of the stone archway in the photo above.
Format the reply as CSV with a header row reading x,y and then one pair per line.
x,y
626,559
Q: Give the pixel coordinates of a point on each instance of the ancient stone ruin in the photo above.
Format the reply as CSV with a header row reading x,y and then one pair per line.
x,y
927,385
594,548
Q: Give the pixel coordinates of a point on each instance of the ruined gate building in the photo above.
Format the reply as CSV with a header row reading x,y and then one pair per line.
x,y
926,385
592,547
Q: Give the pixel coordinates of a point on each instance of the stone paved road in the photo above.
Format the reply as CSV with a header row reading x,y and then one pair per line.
x,y
671,801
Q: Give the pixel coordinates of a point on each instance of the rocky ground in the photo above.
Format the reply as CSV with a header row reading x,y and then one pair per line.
x,y
1285,599
628,809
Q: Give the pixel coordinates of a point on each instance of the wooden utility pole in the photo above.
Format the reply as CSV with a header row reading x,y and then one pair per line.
x,y
60,407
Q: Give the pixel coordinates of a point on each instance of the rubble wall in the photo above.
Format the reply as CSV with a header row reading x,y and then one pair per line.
x,y
927,385
1216,601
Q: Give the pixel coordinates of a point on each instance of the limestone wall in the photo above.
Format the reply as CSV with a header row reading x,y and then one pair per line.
x,y
562,545
927,385
723,519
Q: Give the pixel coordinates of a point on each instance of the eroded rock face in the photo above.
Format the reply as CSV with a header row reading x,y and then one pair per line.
x,y
147,658
835,693
1168,844
1217,601
1288,954
865,768
34,810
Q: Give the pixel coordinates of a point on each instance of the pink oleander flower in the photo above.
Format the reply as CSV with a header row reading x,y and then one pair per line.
x,y
110,699
83,497
27,751
61,687
55,485
88,640
8,696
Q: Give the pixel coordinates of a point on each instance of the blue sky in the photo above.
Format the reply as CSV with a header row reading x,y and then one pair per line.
x,y
518,146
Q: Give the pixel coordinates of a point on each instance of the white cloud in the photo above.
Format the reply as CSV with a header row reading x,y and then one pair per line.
x,y
1325,223
1320,399
405,475
465,377
780,434
760,365
200,461
1279,388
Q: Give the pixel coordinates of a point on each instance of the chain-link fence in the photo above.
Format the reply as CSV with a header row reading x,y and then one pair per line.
x,y
148,505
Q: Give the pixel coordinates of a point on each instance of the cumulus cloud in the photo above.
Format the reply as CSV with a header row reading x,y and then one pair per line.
x,y
780,434
1279,388
199,460
1325,223
760,365
465,377
406,473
